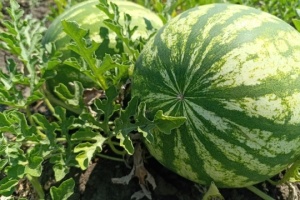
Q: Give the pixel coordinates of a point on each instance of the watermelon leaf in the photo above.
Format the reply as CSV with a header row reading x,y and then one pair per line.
x,y
7,186
145,125
297,21
9,94
89,142
60,170
49,127
34,166
297,24
16,171
3,163
125,125
83,46
107,107
116,70
133,118
72,100
292,174
105,72
64,191
167,123
213,193
124,32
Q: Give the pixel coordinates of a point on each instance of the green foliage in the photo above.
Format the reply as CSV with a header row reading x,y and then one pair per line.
x,y
21,39
297,21
60,7
123,32
292,174
64,191
284,9
170,8
125,126
76,130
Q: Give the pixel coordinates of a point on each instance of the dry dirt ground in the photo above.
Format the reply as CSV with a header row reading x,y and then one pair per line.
x,y
95,183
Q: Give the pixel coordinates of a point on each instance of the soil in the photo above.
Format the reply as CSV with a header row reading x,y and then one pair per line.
x,y
95,183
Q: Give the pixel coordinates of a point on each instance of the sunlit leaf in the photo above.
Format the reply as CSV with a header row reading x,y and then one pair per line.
x,y
297,24
3,162
49,128
167,123
74,98
63,191
34,166
84,47
90,143
213,193
7,186
60,171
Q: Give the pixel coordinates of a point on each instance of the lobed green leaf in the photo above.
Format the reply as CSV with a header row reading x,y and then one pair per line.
x,y
84,47
64,191
167,123
90,142
73,99
15,171
133,118
34,167
107,107
7,186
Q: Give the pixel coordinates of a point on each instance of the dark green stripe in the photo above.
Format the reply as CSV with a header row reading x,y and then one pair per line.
x,y
287,132
216,152
217,53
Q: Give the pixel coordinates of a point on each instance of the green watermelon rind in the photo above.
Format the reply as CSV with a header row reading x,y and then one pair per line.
x,y
234,73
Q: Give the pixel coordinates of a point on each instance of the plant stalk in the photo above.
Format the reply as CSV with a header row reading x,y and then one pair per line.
x,y
259,193
50,97
37,186
110,157
113,148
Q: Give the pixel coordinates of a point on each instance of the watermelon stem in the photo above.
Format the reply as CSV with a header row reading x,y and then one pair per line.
x,y
113,148
36,185
110,157
50,98
259,193
291,174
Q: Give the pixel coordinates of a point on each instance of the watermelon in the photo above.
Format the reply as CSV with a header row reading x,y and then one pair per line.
x,y
89,17
234,73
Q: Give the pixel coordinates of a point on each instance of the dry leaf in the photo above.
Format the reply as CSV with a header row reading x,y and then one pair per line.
x,y
125,179
138,195
141,173
90,94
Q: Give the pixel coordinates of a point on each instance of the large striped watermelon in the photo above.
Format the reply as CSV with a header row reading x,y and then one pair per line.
x,y
91,18
234,73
